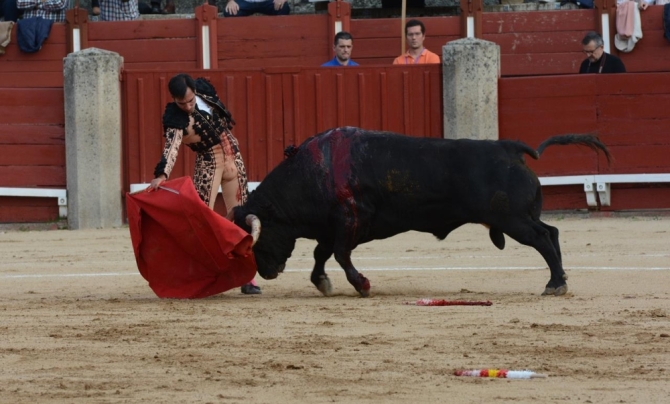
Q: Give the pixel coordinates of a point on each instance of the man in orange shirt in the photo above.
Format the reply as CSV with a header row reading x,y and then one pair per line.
x,y
415,33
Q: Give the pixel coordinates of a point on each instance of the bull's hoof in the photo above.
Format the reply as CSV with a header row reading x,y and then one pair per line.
x,y
365,290
559,291
325,286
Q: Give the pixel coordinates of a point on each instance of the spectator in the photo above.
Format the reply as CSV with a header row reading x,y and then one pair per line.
x,y
415,33
243,8
198,119
597,60
154,7
119,10
408,4
53,10
9,10
343,45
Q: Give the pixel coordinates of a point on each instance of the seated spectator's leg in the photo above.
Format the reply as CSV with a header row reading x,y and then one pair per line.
x,y
144,8
12,13
268,8
246,9
156,7
169,7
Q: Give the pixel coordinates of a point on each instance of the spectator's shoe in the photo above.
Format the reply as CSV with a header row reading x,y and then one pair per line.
x,y
250,289
155,9
169,9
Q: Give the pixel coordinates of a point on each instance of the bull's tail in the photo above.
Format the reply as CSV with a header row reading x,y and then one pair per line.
x,y
590,141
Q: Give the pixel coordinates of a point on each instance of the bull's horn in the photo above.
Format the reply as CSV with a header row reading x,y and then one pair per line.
x,y
255,223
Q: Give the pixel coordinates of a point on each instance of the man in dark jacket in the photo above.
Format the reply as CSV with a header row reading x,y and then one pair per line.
x,y
597,60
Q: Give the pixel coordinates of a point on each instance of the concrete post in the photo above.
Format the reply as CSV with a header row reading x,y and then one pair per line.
x,y
470,70
93,138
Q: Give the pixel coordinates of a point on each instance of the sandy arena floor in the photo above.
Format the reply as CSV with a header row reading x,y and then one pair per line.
x,y
78,324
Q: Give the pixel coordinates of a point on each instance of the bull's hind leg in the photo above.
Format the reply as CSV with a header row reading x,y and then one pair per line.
x,y
553,235
322,252
357,280
539,236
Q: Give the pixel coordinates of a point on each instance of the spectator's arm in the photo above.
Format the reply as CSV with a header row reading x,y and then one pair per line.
x,y
54,5
27,4
232,8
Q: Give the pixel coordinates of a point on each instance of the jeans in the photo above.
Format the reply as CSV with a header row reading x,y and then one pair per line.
x,y
265,7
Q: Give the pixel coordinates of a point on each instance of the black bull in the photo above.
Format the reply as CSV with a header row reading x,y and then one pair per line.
x,y
348,186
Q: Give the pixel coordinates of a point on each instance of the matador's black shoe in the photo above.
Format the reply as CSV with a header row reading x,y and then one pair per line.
x,y
250,289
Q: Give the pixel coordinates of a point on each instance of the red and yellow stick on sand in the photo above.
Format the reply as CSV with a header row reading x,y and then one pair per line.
x,y
441,302
501,373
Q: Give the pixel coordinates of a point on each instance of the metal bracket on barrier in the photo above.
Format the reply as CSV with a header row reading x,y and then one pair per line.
x,y
604,193
586,180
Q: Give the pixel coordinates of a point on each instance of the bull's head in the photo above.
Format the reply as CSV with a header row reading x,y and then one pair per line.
x,y
272,245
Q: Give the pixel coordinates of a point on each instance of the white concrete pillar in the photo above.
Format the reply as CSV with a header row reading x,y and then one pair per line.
x,y
470,70
93,138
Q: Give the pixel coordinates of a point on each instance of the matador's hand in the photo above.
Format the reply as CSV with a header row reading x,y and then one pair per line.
x,y
156,182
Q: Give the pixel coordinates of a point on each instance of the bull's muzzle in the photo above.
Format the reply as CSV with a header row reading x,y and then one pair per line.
x,y
274,274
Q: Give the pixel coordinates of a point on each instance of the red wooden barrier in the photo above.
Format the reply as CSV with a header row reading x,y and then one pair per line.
x,y
32,135
260,42
150,44
535,42
628,112
281,106
378,41
532,43
43,69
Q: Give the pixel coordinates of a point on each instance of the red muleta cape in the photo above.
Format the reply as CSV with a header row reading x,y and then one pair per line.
x,y
184,249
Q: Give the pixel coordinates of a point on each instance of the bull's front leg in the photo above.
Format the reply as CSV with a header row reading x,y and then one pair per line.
x,y
322,252
359,282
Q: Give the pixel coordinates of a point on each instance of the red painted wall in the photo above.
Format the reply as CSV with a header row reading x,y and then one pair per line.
x,y
532,43
148,44
627,111
378,41
263,42
277,107
549,42
32,134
